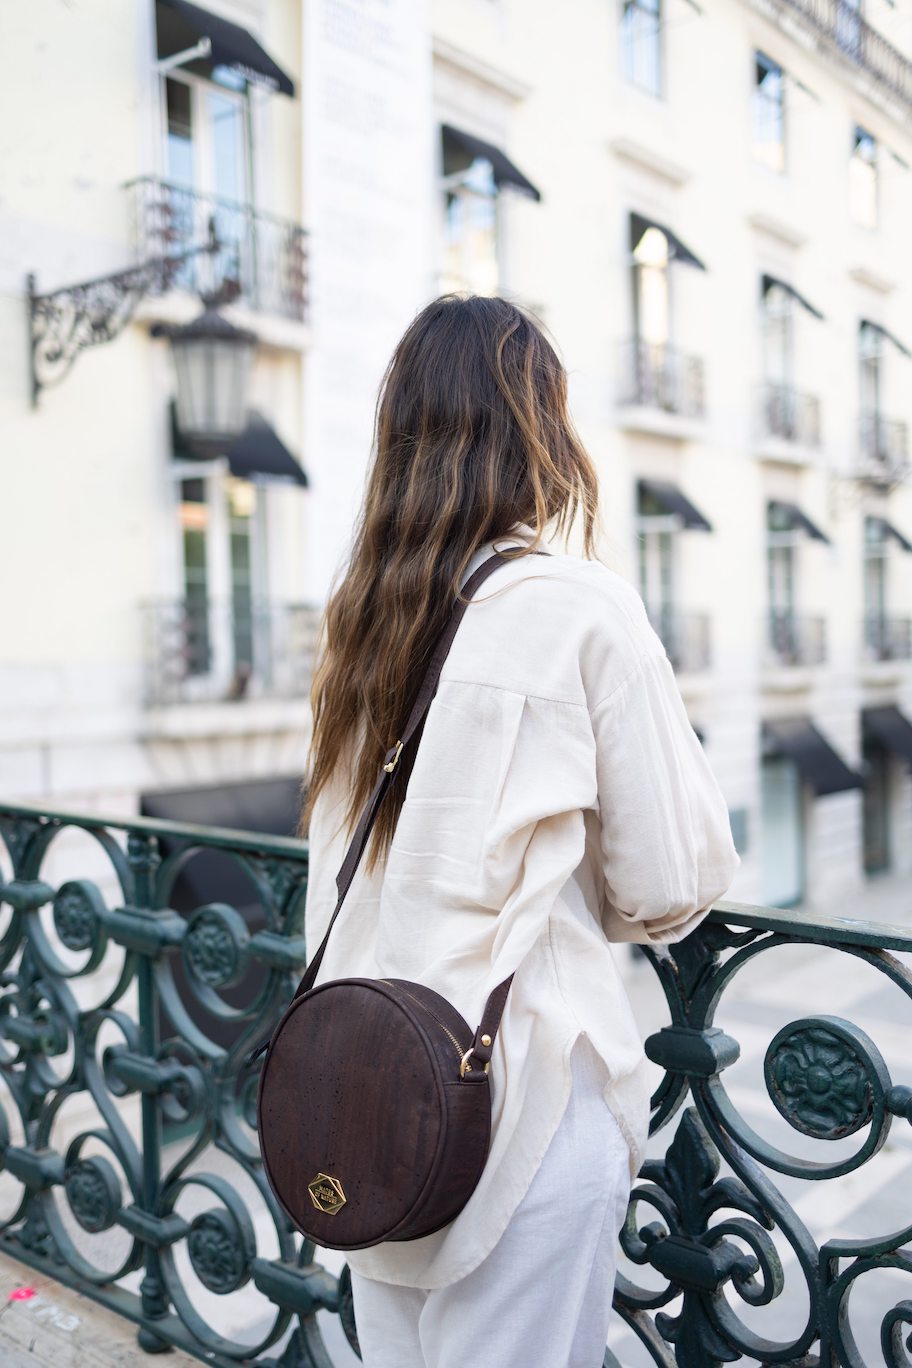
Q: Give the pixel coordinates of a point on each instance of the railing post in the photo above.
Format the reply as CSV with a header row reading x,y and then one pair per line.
x,y
143,859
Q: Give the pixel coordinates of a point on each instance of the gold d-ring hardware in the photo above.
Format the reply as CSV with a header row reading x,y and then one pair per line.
x,y
464,1065
395,760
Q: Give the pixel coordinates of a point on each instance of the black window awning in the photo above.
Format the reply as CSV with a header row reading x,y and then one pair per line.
x,y
672,500
892,728
819,765
638,226
260,454
232,45
461,146
767,283
270,806
790,516
888,530
883,332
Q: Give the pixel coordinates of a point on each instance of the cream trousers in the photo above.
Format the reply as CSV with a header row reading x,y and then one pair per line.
x,y
542,1296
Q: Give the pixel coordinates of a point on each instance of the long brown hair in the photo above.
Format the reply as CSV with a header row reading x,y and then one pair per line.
x,y
472,436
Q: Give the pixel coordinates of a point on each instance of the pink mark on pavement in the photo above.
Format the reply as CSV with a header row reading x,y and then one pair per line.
x,y
23,1293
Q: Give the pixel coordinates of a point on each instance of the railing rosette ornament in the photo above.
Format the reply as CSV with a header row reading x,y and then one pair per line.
x,y
130,999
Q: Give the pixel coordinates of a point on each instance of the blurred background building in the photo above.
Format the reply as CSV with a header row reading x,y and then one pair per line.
x,y
708,203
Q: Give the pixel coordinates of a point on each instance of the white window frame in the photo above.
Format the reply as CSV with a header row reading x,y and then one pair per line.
x,y
856,160
456,182
785,318
627,57
219,585
783,541
201,142
759,102
875,573
637,268
651,527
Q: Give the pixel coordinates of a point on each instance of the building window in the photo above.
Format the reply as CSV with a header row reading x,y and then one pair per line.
x,y
207,137
641,44
876,807
875,568
782,817
652,288
207,168
875,588
657,546
222,544
193,517
769,113
781,557
778,323
471,229
870,370
863,178
242,511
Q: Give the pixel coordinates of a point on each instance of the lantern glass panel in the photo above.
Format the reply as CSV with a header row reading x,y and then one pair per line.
x,y
212,375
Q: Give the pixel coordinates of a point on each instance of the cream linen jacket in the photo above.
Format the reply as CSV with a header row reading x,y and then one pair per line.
x,y
560,800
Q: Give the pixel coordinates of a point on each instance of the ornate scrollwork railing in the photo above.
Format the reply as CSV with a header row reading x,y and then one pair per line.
x,y
131,990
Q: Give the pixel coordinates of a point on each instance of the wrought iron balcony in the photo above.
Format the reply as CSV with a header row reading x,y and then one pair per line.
x,y
790,416
264,255
883,449
888,638
131,997
794,639
685,637
849,37
660,377
201,651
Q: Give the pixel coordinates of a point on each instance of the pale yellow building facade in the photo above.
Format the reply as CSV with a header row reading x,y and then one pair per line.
x,y
708,204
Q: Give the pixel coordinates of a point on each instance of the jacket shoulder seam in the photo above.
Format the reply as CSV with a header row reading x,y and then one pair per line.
x,y
521,693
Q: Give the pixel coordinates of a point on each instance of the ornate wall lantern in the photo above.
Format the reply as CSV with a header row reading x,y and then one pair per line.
x,y
212,361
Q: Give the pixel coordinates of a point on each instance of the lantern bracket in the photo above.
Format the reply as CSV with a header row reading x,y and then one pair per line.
x,y
64,322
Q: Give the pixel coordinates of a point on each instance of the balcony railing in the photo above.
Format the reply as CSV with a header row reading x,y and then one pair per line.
x,y
794,639
850,37
660,377
888,638
201,651
685,637
266,256
790,416
131,1171
884,449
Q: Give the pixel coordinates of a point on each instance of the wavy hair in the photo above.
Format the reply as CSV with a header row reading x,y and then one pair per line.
x,y
472,436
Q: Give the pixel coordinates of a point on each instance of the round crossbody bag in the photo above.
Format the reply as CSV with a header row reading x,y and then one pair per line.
x,y
374,1103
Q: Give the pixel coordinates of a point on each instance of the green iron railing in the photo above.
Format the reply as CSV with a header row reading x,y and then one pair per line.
x,y
129,1167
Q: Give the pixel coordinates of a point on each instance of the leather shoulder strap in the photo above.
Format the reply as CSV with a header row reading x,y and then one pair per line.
x,y
422,703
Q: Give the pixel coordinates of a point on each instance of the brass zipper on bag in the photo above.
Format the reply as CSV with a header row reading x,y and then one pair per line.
x,y
456,1045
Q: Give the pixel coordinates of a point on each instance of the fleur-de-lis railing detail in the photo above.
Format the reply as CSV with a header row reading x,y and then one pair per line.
x,y
134,999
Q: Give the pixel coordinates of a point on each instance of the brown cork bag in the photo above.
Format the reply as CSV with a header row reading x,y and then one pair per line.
x,y
374,1104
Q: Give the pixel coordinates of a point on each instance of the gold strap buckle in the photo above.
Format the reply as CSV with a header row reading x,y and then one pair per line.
x,y
391,764
464,1065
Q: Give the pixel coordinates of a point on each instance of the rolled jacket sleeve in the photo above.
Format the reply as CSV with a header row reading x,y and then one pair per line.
x,y
666,845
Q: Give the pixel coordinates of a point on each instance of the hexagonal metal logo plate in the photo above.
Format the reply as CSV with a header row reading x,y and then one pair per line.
x,y
326,1193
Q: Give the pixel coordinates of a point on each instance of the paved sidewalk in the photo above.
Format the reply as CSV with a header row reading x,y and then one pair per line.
x,y
886,898
46,1325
